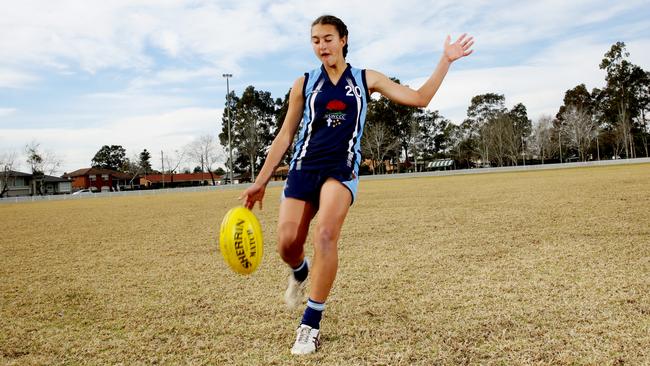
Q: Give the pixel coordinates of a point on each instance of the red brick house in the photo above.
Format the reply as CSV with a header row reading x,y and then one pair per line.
x,y
99,180
178,180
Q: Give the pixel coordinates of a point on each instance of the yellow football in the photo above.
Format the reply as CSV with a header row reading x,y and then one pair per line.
x,y
240,240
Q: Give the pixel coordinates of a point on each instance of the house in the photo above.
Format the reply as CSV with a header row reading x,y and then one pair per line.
x,y
100,180
56,185
178,180
388,166
14,184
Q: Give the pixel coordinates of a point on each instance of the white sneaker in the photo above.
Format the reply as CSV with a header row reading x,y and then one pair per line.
x,y
307,340
295,293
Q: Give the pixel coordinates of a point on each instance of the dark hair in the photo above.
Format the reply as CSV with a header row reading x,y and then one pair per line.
x,y
336,22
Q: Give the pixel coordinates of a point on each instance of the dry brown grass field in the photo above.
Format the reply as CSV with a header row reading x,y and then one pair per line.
x,y
547,267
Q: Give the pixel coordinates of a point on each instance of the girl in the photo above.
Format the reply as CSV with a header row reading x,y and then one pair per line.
x,y
332,102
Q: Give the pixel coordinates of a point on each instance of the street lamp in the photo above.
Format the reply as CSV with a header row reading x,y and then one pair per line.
x,y
228,76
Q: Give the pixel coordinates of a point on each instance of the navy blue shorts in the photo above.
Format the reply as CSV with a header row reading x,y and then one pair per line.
x,y
305,185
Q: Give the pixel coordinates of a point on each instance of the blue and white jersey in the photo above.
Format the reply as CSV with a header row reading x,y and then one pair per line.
x,y
333,121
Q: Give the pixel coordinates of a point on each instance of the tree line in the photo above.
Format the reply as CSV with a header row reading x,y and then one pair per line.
x,y
608,122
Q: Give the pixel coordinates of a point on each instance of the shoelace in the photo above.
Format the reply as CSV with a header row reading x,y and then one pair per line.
x,y
303,337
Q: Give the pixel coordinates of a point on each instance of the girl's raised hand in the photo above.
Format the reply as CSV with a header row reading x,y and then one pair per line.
x,y
458,49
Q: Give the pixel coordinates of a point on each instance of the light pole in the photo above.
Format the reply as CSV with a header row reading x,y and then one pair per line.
x,y
228,76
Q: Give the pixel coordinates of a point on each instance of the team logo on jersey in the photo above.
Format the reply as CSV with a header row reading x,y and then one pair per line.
x,y
335,113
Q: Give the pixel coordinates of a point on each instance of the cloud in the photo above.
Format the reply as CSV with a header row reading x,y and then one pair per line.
x,y
14,79
147,36
6,111
176,76
132,102
96,35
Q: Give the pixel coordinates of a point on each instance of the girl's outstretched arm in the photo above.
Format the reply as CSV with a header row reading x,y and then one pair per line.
x,y
378,82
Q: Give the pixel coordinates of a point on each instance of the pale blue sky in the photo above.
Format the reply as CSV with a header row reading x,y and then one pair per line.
x,y
147,74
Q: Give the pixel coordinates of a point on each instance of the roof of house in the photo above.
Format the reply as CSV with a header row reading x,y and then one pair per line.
x,y
53,179
124,176
13,173
89,171
46,178
192,177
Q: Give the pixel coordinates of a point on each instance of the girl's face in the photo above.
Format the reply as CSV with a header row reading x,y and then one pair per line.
x,y
327,44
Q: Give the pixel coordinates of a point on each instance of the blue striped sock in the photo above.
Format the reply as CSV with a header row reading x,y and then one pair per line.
x,y
300,273
313,314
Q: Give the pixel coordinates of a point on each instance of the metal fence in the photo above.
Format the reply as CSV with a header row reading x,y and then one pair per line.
x,y
148,192
518,168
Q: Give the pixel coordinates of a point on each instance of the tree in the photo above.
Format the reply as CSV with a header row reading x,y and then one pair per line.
x,y
542,138
580,98
171,161
496,136
416,141
7,162
435,133
35,161
109,157
41,163
251,122
462,144
204,151
645,108
130,166
145,161
520,122
396,117
483,109
521,129
377,142
282,106
622,100
623,133
579,129
495,133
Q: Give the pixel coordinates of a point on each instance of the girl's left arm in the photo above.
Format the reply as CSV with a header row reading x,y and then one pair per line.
x,y
378,82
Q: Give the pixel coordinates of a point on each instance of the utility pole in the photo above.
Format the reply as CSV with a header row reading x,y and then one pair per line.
x,y
228,76
162,161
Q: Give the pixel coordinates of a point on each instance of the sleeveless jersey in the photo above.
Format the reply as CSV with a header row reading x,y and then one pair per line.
x,y
333,121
